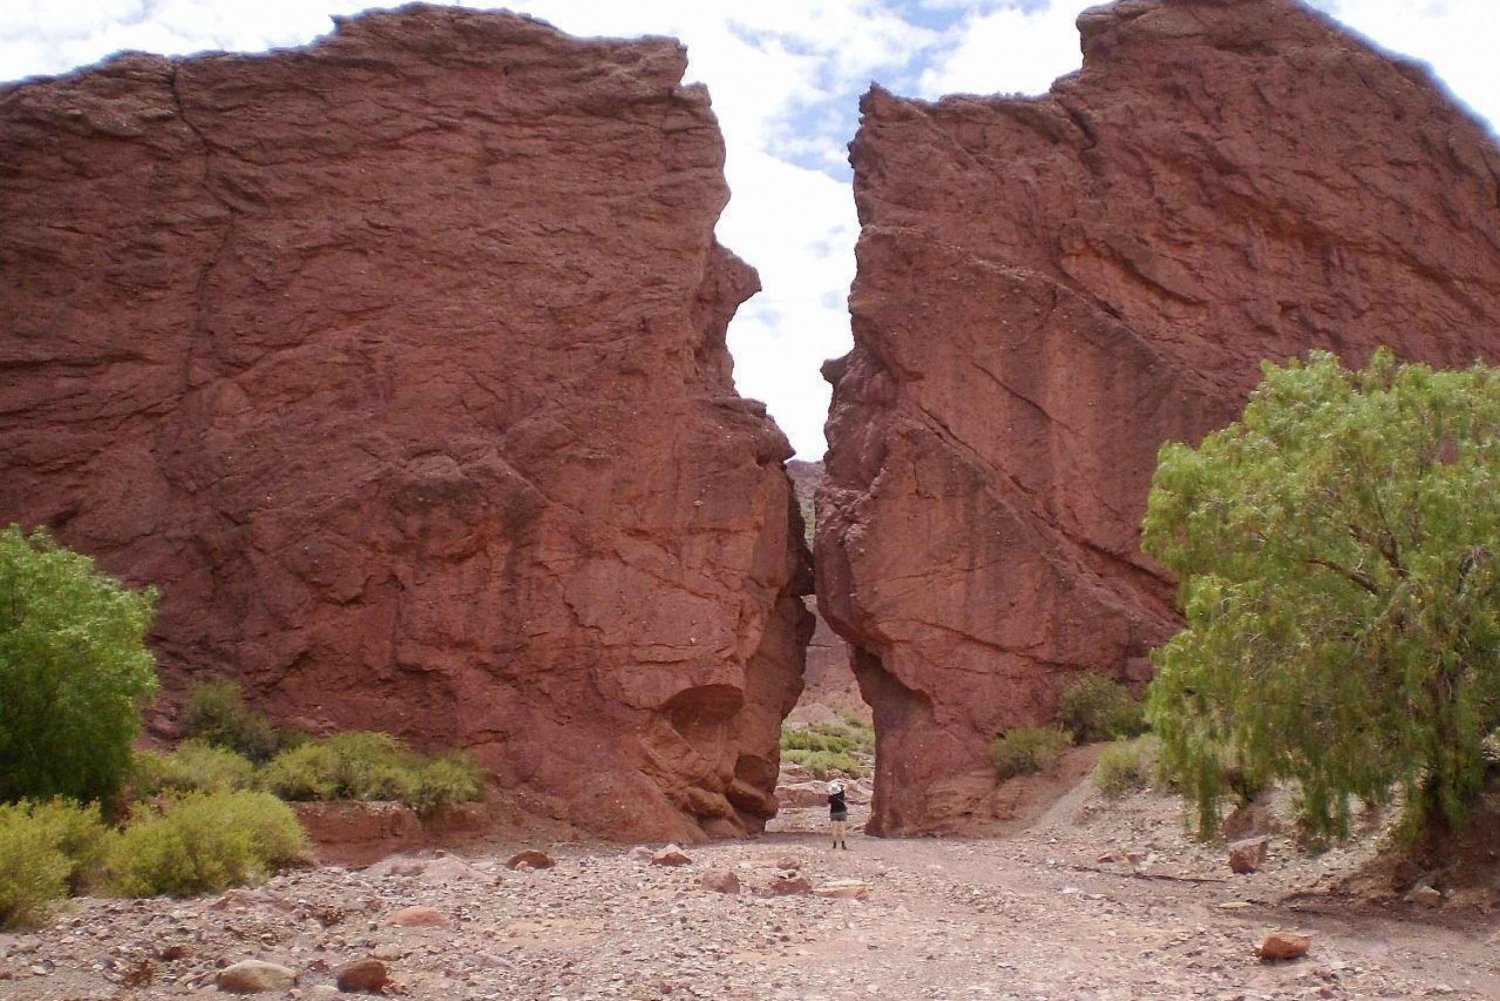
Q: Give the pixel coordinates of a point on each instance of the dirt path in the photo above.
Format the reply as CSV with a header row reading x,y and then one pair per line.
x,y
1037,917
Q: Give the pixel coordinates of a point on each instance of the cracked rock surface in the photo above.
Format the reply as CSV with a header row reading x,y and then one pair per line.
x,y
397,363
1048,288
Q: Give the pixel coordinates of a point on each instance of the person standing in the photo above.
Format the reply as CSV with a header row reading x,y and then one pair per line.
x,y
838,813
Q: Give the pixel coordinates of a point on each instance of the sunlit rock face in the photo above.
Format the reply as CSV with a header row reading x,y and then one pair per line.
x,y
1049,288
397,363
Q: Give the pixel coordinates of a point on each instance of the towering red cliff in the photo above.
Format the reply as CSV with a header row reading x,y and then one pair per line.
x,y
398,364
1049,288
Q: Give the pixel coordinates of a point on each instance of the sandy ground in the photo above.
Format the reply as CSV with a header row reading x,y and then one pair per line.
x,y
1058,911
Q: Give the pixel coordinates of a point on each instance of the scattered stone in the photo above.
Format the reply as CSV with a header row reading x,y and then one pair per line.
x,y
173,953
362,976
671,855
417,916
532,857
388,951
1283,945
1248,856
254,976
843,889
640,853
1424,895
789,884
720,881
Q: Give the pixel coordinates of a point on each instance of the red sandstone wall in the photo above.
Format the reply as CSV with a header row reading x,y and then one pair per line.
x,y
1048,288
398,364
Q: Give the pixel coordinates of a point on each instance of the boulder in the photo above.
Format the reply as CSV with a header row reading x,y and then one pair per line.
x,y
417,916
1248,855
532,858
1279,946
1048,288
788,884
397,363
367,976
843,889
671,856
1424,895
720,881
254,976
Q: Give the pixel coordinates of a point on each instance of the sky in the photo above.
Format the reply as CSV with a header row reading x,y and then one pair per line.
x,y
785,77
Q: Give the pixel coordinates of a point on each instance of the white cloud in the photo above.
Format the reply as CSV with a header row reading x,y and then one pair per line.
x,y
1007,50
785,76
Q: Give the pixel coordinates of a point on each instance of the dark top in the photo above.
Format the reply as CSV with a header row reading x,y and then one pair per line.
x,y
837,808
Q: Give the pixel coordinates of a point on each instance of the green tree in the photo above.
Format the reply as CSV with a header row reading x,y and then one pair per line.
x,y
1335,549
74,671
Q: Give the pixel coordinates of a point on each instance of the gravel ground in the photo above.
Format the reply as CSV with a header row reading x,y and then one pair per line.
x,y
1097,901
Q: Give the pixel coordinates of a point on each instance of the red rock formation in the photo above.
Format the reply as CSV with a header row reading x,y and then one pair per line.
x,y
1048,288
398,364
828,682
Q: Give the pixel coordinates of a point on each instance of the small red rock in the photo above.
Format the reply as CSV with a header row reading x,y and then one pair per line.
x,y
532,857
720,881
789,884
671,855
366,975
1283,945
417,916
1247,856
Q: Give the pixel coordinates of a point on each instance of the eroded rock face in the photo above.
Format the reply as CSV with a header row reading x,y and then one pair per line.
x,y
829,679
398,364
1048,288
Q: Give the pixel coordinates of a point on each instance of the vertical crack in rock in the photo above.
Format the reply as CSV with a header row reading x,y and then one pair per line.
x,y
1049,288
457,455
202,337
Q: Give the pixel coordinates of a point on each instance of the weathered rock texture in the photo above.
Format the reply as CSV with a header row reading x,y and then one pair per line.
x,y
1048,288
398,364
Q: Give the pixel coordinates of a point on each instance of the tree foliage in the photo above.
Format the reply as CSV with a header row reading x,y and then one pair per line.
x,y
1336,549
74,671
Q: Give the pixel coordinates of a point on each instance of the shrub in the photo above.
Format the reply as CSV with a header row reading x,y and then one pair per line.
x,y
1029,749
372,766
444,780
216,714
33,871
79,833
194,766
204,843
302,773
1097,708
74,671
1125,766
809,740
821,764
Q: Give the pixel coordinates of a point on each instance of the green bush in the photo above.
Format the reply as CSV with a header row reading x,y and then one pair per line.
x,y
371,766
33,871
821,764
1098,708
446,779
204,843
78,831
216,714
1126,766
302,773
1029,749
47,850
74,671
837,738
194,766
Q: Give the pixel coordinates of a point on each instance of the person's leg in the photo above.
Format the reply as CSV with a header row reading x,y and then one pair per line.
x,y
838,832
